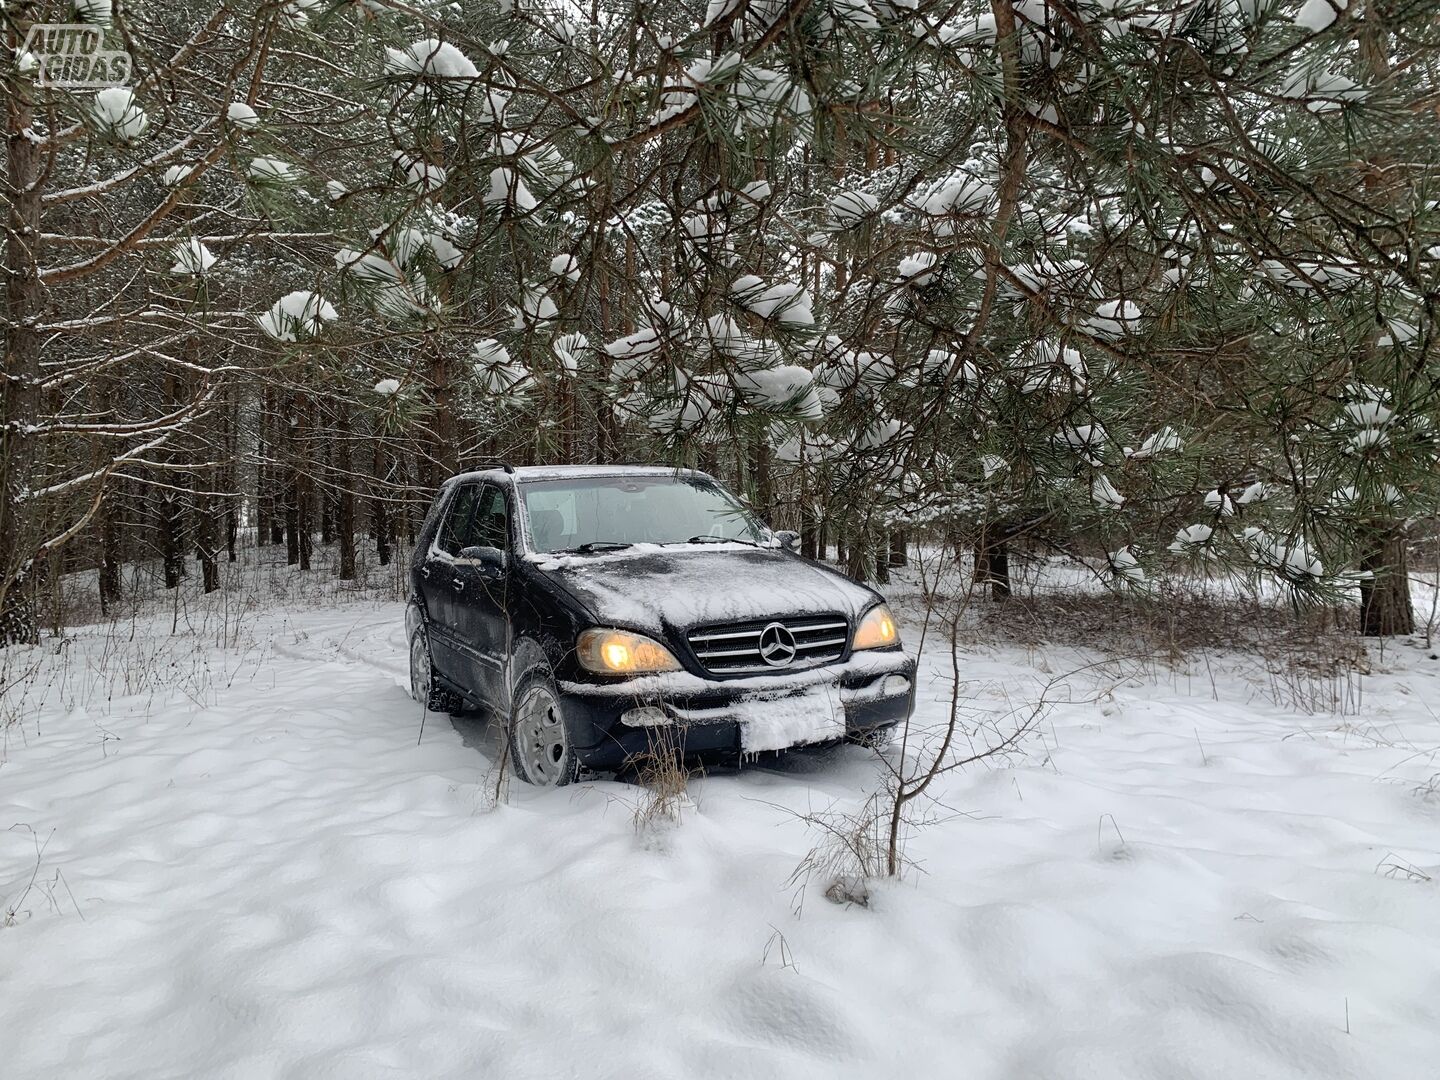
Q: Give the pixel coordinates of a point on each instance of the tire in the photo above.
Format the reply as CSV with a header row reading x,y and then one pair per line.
x,y
540,748
423,685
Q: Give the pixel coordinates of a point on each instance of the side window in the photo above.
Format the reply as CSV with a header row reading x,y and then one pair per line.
x,y
458,530
434,512
492,519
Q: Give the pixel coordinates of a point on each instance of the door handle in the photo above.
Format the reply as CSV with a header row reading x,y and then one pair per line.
x,y
458,584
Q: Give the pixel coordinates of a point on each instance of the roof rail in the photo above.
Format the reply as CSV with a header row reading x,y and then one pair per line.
x,y
482,466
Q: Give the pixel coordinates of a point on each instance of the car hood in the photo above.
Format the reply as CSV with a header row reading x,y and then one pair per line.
x,y
679,587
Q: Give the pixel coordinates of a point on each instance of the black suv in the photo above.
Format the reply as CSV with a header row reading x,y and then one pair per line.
x,y
596,607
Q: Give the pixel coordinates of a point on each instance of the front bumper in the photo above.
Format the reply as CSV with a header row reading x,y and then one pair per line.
x,y
612,723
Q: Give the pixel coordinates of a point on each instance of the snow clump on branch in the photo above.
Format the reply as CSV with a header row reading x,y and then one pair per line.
x,y
785,303
497,372
118,115
192,258
242,117
269,170
429,58
849,208
298,315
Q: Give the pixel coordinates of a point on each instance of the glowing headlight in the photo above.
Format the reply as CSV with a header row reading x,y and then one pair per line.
x,y
619,652
877,629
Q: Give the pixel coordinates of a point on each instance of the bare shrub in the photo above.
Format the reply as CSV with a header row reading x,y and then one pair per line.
x,y
851,851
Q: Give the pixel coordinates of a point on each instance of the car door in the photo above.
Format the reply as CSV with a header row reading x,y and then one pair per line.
x,y
438,576
480,596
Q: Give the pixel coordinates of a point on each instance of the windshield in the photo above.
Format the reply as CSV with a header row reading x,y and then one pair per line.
x,y
612,512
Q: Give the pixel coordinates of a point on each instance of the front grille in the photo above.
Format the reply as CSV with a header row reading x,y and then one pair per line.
x,y
734,647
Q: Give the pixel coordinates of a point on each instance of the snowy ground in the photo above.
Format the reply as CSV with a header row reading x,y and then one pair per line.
x,y
251,863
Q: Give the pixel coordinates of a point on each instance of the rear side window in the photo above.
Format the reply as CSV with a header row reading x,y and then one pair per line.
x,y
457,532
434,512
492,521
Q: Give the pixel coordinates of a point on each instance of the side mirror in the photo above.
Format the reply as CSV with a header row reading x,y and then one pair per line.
x,y
789,539
487,558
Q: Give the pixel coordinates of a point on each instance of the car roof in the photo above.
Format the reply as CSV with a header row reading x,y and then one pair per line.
x,y
521,473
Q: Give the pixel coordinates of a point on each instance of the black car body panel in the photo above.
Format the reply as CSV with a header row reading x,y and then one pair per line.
x,y
496,610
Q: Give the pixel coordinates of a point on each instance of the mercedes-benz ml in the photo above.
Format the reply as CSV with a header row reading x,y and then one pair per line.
x,y
594,607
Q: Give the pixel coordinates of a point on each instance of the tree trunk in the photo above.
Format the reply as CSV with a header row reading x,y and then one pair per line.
x,y
292,521
709,459
110,555
264,501
379,515
810,532
172,505
899,544
231,473
992,562
857,561
172,530
567,418
305,523
444,458
762,484
345,507
328,502
24,189
1385,607
205,506
207,531
107,525
277,490
296,518
305,494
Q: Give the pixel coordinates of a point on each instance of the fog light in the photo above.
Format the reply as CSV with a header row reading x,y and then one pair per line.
x,y
895,685
645,716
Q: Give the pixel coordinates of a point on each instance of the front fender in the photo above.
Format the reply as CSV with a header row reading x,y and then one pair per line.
x,y
529,654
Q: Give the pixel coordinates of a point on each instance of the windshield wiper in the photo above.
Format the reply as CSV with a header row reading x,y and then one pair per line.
x,y
600,545
720,540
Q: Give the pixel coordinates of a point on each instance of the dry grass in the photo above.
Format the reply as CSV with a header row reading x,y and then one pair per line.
x,y
663,780
204,643
260,577
1173,623
1309,661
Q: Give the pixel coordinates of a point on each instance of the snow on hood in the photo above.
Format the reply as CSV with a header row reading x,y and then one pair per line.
x,y
656,589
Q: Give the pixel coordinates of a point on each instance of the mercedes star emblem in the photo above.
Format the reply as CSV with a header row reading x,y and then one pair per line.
x,y
777,645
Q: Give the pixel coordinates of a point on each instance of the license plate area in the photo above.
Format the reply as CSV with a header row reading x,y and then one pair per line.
x,y
776,721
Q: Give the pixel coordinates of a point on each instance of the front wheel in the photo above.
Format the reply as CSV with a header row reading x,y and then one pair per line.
x,y
424,687
539,744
